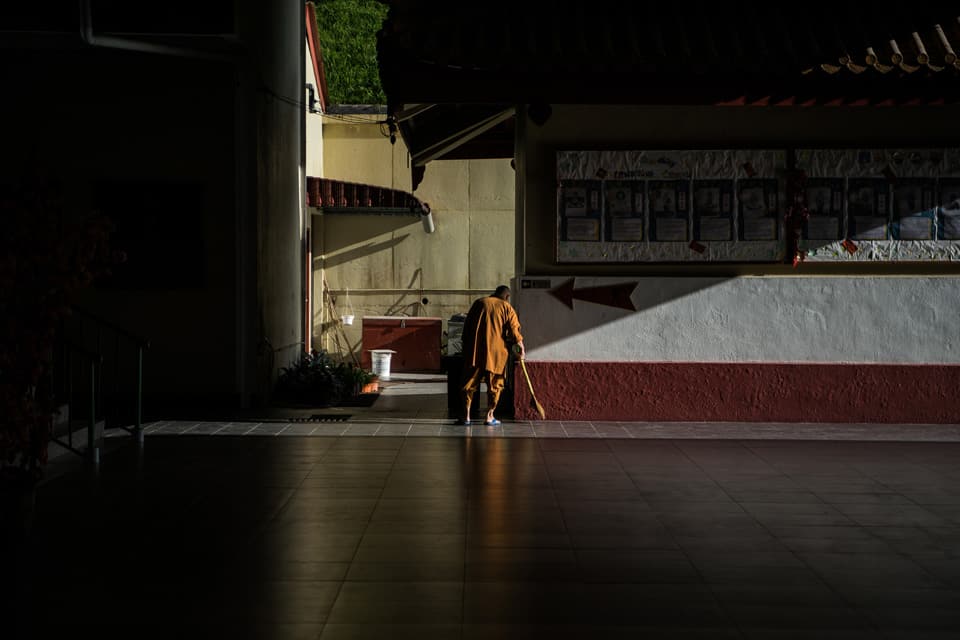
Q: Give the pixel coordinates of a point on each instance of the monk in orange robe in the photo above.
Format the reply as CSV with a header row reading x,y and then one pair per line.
x,y
489,324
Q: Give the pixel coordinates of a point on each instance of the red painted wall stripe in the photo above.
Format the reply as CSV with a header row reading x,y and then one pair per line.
x,y
742,392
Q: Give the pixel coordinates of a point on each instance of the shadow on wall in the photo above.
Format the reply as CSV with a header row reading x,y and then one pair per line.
x,y
337,257
553,310
402,308
768,319
761,319
340,333
353,239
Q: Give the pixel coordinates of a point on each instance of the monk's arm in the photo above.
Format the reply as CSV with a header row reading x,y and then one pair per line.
x,y
514,322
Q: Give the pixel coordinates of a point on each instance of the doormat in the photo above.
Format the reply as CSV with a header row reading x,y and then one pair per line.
x,y
342,417
317,417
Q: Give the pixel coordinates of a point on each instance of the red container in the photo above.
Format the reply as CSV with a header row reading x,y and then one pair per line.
x,y
415,340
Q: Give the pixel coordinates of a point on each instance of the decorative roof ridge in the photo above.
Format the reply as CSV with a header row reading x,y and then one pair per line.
x,y
328,193
346,109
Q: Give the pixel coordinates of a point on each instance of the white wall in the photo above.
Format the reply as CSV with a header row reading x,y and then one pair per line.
x,y
314,124
794,319
887,313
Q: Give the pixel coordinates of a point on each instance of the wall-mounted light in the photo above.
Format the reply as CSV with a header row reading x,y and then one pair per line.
x,y
392,127
426,217
312,99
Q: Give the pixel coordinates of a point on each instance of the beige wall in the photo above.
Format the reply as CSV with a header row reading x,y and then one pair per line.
x,y
385,265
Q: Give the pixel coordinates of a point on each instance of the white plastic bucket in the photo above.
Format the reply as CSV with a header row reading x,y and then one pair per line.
x,y
381,362
347,320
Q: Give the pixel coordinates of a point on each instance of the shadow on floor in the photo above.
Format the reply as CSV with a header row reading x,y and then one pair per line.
x,y
500,538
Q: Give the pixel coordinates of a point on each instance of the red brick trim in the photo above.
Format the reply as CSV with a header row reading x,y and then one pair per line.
x,y
742,392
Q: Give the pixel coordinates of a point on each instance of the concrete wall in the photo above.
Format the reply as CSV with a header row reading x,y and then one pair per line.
x,y
385,265
277,38
751,319
86,116
664,127
738,342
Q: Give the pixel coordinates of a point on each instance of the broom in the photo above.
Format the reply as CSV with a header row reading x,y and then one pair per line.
x,y
533,399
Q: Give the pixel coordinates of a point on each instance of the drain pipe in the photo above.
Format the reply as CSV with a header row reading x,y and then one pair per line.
x,y
130,44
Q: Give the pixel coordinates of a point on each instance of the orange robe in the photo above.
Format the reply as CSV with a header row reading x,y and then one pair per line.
x,y
490,319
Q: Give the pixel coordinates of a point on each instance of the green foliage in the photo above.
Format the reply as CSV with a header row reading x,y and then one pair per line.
x,y
354,378
48,253
348,40
312,379
316,379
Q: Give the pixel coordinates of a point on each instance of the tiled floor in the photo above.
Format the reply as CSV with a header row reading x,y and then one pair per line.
x,y
436,427
231,536
416,405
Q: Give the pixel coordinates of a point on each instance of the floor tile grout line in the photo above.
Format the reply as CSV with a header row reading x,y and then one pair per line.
x,y
823,581
466,538
873,535
731,620
283,507
563,518
363,533
540,430
187,431
221,428
150,428
708,463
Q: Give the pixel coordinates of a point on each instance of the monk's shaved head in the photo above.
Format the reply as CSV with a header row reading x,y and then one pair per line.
x,y
502,292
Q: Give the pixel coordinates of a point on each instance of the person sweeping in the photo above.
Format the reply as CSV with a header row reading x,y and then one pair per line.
x,y
490,323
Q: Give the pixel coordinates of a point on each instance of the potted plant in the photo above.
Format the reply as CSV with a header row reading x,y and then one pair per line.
x,y
313,380
47,255
358,380
372,385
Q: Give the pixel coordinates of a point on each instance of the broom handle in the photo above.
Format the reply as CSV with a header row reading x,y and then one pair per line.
x,y
523,365
533,396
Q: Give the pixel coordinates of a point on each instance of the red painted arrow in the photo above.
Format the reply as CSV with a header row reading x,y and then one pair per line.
x,y
611,295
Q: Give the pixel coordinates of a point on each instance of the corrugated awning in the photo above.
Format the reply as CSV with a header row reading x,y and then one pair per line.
x,y
337,196
695,52
462,63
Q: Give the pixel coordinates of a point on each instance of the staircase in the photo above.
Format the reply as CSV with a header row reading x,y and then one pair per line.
x,y
97,382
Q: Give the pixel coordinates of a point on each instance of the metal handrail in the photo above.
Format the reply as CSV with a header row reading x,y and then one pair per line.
x,y
96,366
142,343
87,353
145,342
91,321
